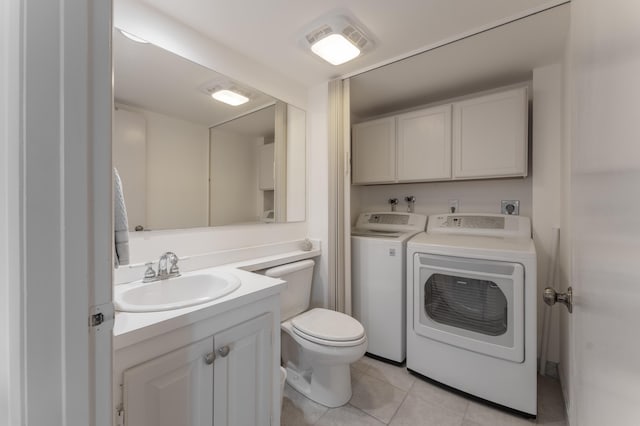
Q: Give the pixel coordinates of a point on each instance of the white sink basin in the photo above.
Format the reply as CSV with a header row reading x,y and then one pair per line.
x,y
174,293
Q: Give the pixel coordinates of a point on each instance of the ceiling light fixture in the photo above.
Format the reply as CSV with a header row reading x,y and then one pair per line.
x,y
229,97
338,41
133,37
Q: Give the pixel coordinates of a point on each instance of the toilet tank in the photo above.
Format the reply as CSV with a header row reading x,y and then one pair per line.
x,y
296,297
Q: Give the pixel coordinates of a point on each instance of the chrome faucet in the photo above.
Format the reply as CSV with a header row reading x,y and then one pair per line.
x,y
411,203
163,274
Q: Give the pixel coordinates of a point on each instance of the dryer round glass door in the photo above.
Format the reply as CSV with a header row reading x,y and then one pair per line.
x,y
473,304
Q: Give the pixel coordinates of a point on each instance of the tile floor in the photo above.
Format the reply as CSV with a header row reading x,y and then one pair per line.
x,y
384,394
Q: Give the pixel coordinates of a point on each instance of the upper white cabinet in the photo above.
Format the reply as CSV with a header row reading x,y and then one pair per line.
x,y
374,151
424,145
490,135
476,138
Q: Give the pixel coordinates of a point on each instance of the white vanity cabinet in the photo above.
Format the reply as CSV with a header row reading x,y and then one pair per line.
x,y
490,135
173,389
374,151
220,370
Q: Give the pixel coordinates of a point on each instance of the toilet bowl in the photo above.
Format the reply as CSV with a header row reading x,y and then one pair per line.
x,y
318,345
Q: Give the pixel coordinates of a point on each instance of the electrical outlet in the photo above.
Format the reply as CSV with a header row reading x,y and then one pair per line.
x,y
510,207
454,206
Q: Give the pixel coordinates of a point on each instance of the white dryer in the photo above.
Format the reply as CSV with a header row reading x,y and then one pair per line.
x,y
472,307
378,275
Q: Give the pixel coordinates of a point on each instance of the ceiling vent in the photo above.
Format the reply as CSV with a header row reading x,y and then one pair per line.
x,y
338,41
225,90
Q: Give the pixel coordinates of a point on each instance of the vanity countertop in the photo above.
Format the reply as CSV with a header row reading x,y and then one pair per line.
x,y
130,328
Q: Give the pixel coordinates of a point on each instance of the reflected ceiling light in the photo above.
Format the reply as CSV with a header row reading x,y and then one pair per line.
x,y
133,37
338,41
229,97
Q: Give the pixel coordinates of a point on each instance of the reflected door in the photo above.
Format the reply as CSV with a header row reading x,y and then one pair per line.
x,y
130,158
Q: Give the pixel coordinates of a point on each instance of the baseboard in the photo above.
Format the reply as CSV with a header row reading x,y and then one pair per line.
x,y
551,369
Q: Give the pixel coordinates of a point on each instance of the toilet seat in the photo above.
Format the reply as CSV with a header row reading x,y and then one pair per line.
x,y
328,328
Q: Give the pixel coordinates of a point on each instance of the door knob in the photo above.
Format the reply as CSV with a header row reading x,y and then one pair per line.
x,y
223,351
550,297
209,358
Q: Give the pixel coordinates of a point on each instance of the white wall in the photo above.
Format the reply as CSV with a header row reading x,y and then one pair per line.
x,y
547,189
177,163
177,172
129,148
477,196
234,178
296,164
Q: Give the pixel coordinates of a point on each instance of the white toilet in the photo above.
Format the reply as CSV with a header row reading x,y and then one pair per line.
x,y
318,345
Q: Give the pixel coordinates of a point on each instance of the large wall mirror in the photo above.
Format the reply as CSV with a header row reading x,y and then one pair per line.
x,y
187,160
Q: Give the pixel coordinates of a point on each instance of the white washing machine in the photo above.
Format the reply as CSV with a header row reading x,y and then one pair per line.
x,y
471,302
378,274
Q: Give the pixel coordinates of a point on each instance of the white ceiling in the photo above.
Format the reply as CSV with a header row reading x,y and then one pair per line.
x,y
257,124
501,56
272,32
148,77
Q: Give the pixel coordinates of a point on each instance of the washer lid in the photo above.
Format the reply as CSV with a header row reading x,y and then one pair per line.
x,y
328,325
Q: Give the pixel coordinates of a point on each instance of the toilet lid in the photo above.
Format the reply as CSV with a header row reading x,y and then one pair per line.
x,y
328,325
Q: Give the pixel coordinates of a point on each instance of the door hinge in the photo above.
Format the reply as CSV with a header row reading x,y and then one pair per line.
x,y
101,317
120,415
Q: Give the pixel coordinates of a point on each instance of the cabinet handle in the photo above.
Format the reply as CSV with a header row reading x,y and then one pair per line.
x,y
209,358
224,351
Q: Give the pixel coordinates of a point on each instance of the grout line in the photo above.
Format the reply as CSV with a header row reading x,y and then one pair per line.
x,y
400,405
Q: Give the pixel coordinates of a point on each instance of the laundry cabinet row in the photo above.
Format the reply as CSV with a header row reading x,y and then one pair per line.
x,y
475,138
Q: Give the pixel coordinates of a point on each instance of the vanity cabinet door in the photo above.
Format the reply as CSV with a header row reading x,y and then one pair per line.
x,y
243,374
173,389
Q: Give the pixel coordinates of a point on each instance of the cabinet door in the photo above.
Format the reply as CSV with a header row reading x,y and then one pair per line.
x,y
374,151
424,145
266,167
244,376
490,135
173,389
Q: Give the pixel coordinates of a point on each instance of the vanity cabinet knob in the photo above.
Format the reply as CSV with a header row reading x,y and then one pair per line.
x,y
209,358
224,351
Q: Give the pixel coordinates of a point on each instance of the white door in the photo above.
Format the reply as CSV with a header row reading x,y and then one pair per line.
x,y
173,389
424,144
605,175
243,374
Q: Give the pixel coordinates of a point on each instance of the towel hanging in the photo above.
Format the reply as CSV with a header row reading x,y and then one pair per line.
x,y
120,223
